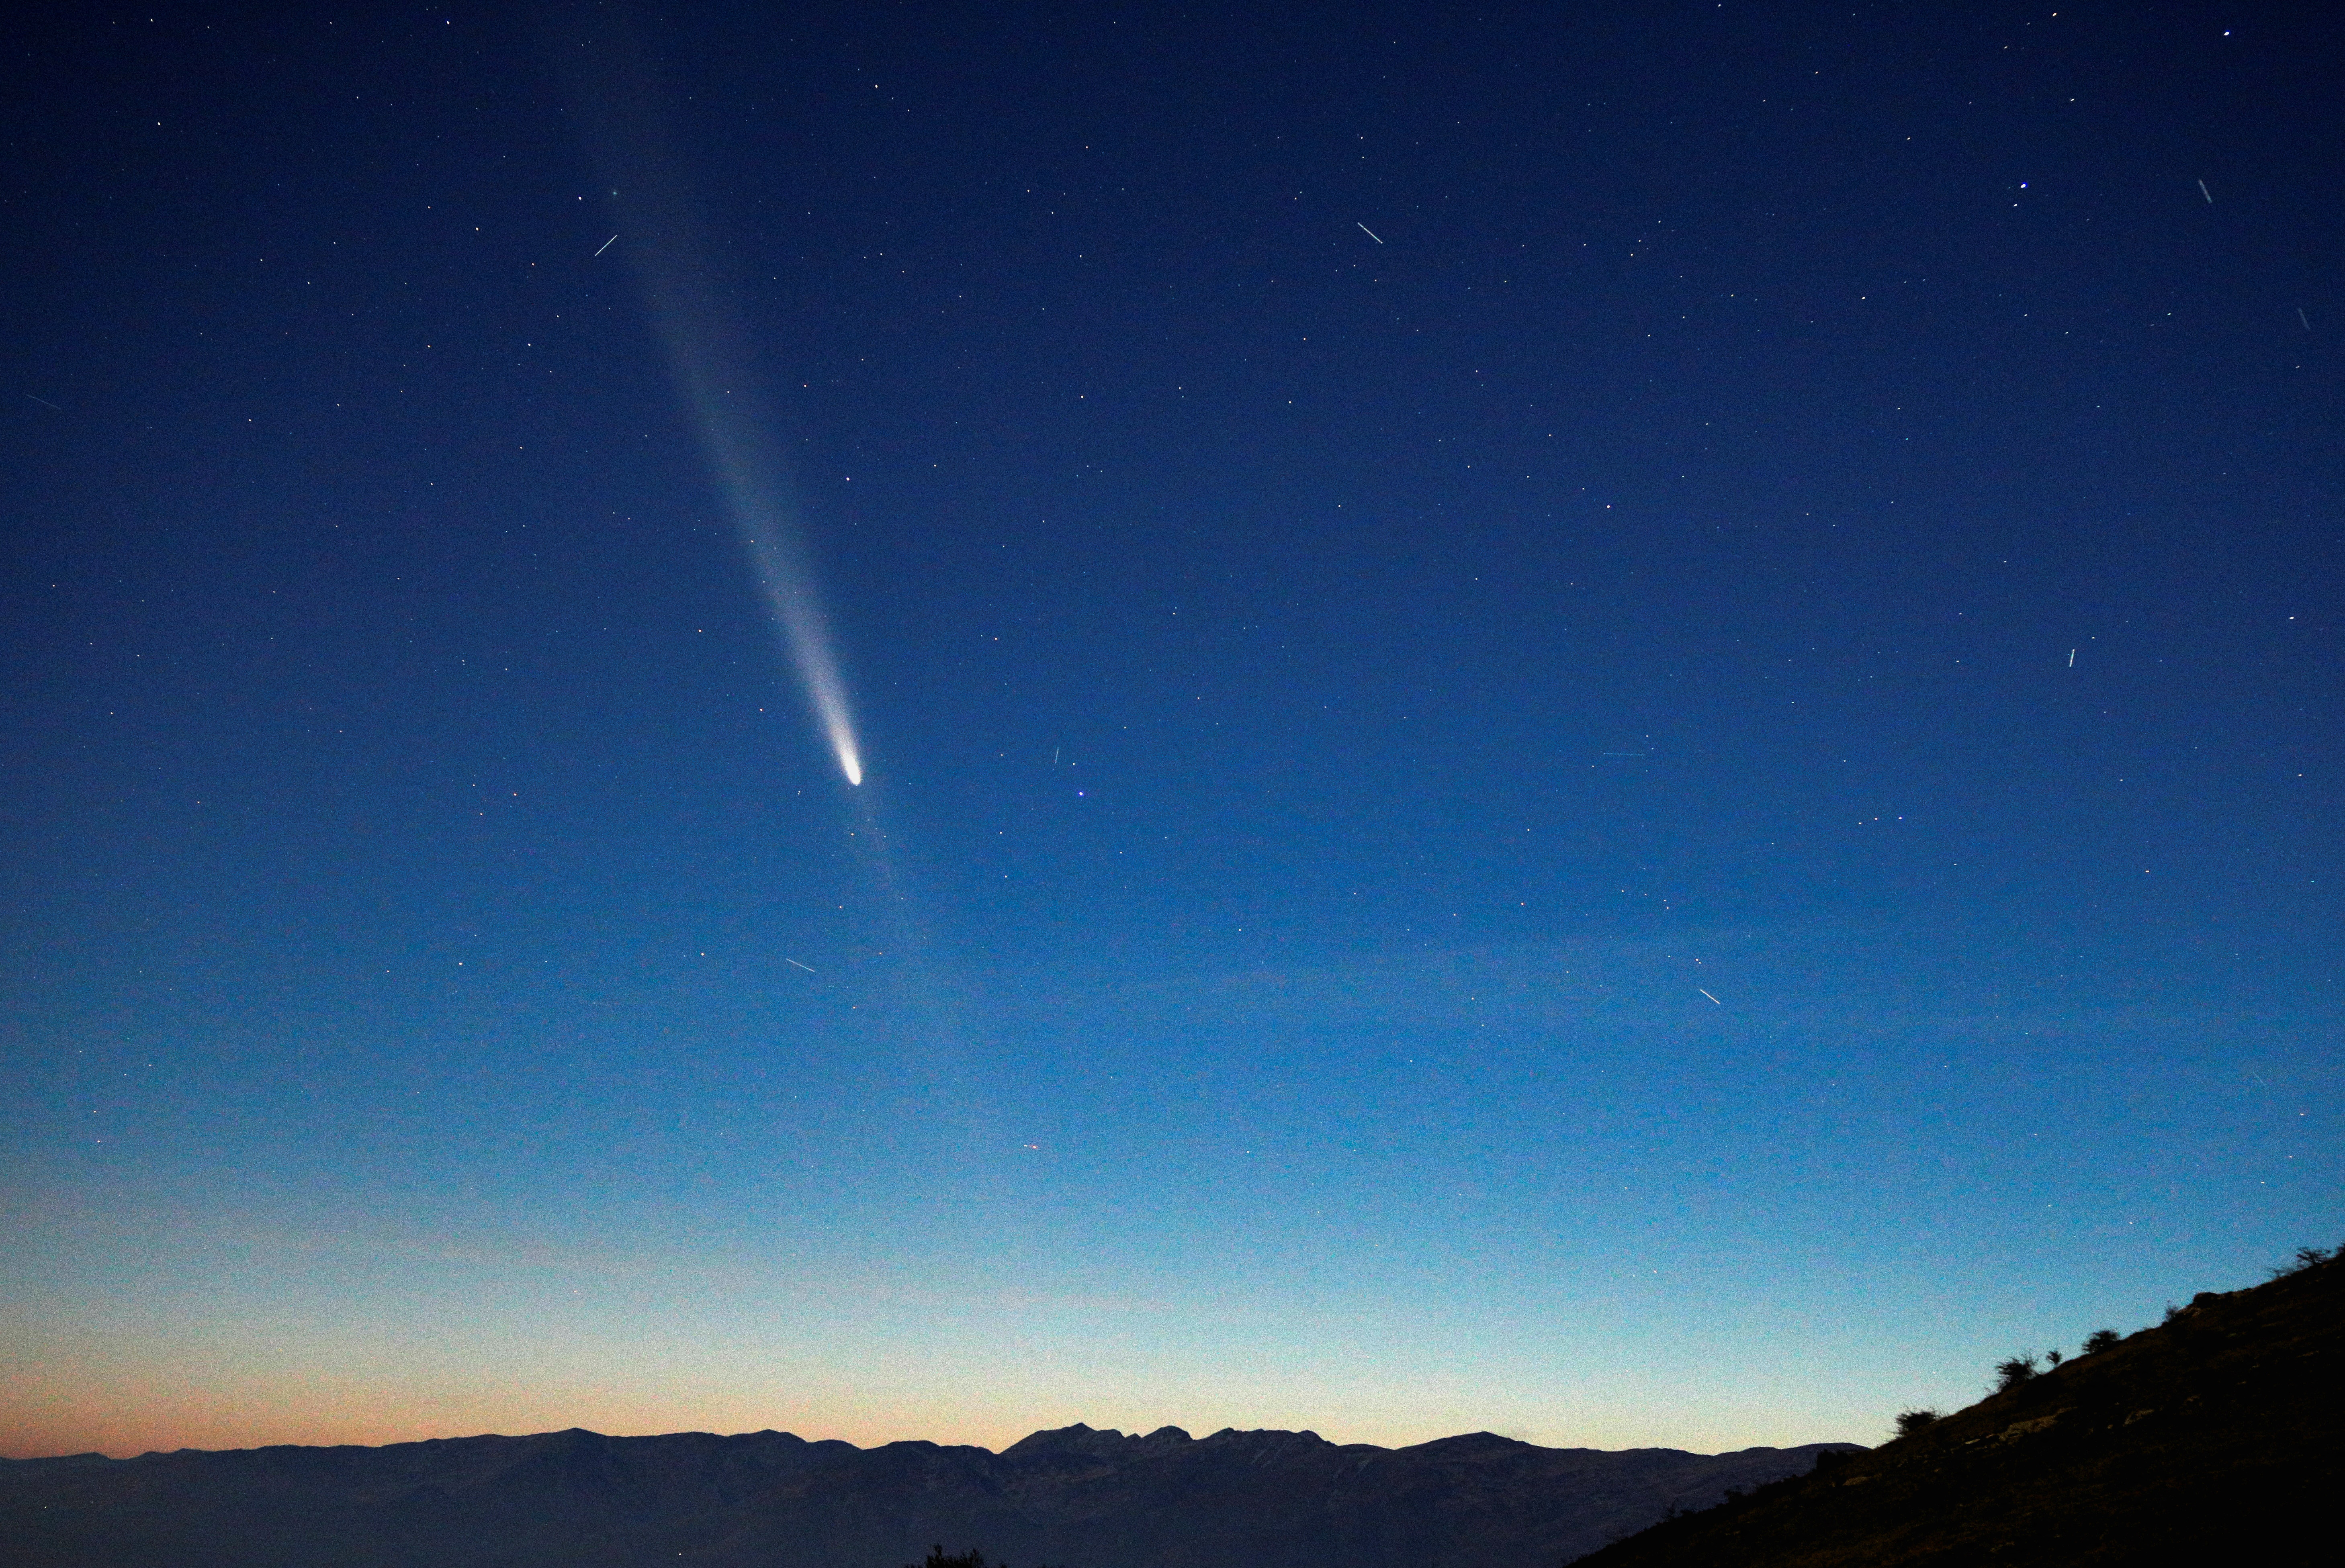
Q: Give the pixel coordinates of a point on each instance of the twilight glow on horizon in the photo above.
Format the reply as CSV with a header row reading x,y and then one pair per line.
x,y
1623,728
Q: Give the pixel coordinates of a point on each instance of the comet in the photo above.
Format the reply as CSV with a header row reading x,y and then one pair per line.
x,y
709,340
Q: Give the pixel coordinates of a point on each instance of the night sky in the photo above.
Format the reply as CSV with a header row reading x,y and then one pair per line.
x,y
1620,724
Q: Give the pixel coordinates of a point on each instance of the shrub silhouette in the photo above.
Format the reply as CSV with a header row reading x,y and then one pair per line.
x,y
941,1558
2306,1258
2099,1340
1913,1420
2014,1371
2054,1358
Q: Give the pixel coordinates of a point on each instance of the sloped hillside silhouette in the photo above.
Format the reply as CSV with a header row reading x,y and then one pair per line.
x,y
2213,1438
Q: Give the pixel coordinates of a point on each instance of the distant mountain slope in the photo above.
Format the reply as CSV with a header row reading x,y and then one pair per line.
x,y
1079,1497
2213,1439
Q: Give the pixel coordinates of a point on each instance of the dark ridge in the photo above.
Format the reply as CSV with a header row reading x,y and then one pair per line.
x,y
1088,1498
2212,1438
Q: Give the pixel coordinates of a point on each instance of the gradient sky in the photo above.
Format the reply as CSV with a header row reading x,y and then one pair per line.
x,y
1375,555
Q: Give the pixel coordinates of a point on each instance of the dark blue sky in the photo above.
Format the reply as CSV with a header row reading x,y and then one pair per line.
x,y
1381,559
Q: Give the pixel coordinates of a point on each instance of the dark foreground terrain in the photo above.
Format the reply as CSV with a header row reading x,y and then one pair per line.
x,y
2213,1439
1089,1499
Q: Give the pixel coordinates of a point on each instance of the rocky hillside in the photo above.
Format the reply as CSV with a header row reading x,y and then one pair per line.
x,y
769,1500
2213,1438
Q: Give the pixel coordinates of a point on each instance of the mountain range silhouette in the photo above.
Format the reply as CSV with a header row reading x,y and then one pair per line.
x,y
1076,1496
